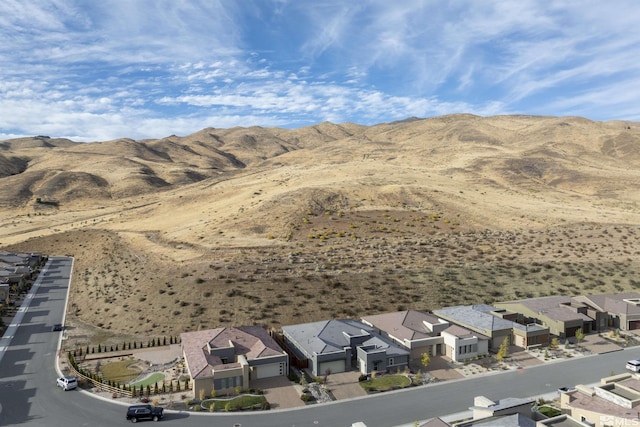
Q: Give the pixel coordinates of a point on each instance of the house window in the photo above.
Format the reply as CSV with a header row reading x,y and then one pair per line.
x,y
390,363
224,383
225,360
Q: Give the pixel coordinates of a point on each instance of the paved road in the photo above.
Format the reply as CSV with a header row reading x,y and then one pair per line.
x,y
28,395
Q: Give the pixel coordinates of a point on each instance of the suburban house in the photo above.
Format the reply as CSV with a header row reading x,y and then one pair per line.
x,y
32,260
4,293
461,343
508,412
615,402
496,324
340,345
561,314
421,332
622,310
222,359
15,270
484,407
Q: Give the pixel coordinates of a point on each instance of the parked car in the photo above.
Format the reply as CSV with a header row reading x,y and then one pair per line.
x,y
633,365
57,327
67,383
144,412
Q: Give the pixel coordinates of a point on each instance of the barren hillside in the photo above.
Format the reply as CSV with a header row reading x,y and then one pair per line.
x,y
276,226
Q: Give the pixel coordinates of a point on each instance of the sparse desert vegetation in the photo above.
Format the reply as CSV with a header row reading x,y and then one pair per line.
x,y
347,221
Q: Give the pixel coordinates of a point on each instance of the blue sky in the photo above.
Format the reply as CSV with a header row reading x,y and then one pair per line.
x,y
99,70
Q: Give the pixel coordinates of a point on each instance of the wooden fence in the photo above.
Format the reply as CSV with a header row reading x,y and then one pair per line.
x,y
100,385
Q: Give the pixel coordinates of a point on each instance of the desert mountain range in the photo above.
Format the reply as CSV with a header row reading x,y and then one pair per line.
x,y
280,226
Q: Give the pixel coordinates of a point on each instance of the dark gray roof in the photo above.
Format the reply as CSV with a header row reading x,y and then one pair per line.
x,y
329,336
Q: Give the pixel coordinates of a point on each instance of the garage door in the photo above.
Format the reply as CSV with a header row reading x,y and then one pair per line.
x,y
335,367
519,341
268,371
571,332
634,324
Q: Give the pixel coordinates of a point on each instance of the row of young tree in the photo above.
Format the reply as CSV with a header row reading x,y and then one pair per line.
x,y
133,389
154,342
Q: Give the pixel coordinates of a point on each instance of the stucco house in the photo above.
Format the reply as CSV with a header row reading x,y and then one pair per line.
x,y
496,324
342,345
461,343
621,310
421,332
563,315
222,359
612,403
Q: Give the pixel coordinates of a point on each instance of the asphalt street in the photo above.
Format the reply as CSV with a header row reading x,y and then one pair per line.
x,y
29,396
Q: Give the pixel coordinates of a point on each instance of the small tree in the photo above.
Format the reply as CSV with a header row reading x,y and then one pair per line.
x,y
425,359
418,378
327,372
554,344
579,336
503,351
303,380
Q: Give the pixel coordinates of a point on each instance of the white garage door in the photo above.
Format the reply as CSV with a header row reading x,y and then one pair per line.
x,y
268,371
335,367
519,341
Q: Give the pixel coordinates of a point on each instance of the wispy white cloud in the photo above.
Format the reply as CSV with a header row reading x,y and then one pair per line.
x,y
116,68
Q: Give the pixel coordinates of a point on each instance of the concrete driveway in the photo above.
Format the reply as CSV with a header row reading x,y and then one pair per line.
x,y
279,392
282,393
345,385
597,344
441,369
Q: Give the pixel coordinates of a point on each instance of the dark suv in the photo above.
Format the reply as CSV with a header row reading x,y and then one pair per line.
x,y
144,412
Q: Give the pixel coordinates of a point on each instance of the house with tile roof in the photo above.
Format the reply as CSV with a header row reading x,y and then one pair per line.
x,y
614,402
421,332
621,310
222,359
341,345
496,324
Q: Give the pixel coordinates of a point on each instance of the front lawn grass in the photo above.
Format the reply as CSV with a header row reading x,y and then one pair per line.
x,y
120,372
150,380
386,382
240,402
